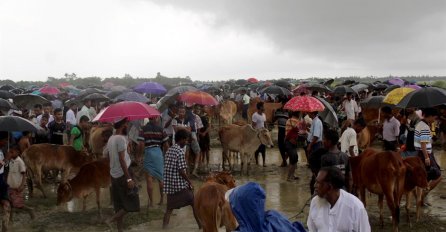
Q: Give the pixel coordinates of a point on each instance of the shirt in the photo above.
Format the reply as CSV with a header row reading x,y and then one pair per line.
x,y
338,160
50,119
56,132
84,111
174,163
259,120
423,135
391,129
152,135
71,117
348,139
165,118
2,157
350,108
16,173
316,129
348,214
246,99
116,144
78,142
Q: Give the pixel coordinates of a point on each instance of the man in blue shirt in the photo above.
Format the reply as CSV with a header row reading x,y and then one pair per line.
x,y
315,136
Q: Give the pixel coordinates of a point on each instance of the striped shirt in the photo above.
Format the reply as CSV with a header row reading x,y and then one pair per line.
x,y
423,135
152,135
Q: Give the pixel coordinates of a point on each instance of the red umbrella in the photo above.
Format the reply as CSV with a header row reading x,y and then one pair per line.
x,y
304,104
127,109
49,90
252,80
198,97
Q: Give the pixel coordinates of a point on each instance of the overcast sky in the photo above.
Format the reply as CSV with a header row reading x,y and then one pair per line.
x,y
221,39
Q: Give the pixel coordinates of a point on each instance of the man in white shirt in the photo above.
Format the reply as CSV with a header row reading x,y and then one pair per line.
x,y
350,108
85,110
46,110
258,122
70,117
349,143
245,100
334,209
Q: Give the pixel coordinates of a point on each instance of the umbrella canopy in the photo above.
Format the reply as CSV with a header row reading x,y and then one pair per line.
x,y
7,87
416,87
395,96
301,89
277,90
424,98
6,95
14,123
252,80
342,90
132,96
283,83
360,87
6,105
50,90
150,88
88,91
328,82
180,90
304,104
171,96
129,109
379,86
390,88
329,114
96,97
113,94
374,102
28,101
397,81
198,97
17,91
317,87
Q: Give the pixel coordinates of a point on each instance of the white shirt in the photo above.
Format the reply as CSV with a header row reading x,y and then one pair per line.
x,y
348,139
84,111
70,117
246,99
16,173
50,119
350,108
348,214
259,120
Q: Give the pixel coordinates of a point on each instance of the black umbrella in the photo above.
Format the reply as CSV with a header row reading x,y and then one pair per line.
x,y
374,102
360,87
318,87
6,105
17,91
7,87
283,83
342,90
172,95
113,94
329,114
423,98
277,90
96,97
6,95
28,101
132,96
14,123
241,82
328,82
88,91
390,88
379,86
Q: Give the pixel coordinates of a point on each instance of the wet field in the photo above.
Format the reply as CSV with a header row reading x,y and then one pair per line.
x,y
287,197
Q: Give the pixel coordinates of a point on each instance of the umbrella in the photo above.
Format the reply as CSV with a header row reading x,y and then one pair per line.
x,y
416,87
252,80
7,87
172,95
301,89
96,97
180,89
342,90
198,97
17,91
118,88
14,123
328,82
304,104
390,88
396,81
113,94
88,91
379,86
6,95
6,105
317,87
49,90
424,98
28,101
283,83
395,96
374,102
329,114
360,87
277,90
132,96
129,109
150,88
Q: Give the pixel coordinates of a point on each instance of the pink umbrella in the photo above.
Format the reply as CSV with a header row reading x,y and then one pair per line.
x,y
127,109
49,90
416,87
301,89
304,104
198,97
252,80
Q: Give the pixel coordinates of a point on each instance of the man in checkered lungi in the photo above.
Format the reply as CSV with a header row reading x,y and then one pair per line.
x,y
177,185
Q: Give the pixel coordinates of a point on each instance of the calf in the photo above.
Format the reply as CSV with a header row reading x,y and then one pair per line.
x,y
415,181
213,211
51,156
98,139
383,174
91,177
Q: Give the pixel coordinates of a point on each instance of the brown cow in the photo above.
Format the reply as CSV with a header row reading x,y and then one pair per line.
x,y
244,139
51,156
270,108
415,181
381,173
228,110
213,211
98,139
91,177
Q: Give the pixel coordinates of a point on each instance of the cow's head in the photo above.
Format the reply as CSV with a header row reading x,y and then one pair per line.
x,y
64,193
416,172
265,137
225,178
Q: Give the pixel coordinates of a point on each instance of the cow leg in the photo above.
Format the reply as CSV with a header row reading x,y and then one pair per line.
x,y
229,220
408,202
84,203
419,198
362,193
39,181
393,206
223,156
380,205
98,201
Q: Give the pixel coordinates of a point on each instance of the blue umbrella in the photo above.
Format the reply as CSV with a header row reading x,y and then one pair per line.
x,y
150,88
132,96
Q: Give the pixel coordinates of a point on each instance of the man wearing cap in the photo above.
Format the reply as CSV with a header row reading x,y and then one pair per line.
x,y
123,187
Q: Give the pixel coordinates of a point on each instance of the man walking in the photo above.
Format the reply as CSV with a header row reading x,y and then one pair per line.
x,y
391,130
258,122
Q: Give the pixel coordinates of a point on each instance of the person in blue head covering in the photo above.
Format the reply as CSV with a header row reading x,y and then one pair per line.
x,y
248,205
